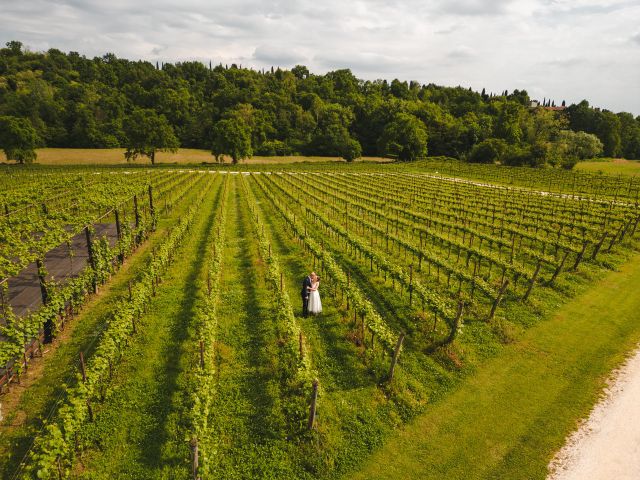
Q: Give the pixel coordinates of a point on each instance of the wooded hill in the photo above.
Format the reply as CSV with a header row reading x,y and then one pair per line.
x,y
74,101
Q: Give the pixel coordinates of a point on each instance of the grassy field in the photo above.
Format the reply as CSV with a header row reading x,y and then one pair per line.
x,y
510,417
611,166
184,156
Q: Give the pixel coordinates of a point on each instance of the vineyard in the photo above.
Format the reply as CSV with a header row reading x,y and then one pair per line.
x,y
151,320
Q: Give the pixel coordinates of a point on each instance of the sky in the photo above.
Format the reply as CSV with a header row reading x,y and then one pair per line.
x,y
558,49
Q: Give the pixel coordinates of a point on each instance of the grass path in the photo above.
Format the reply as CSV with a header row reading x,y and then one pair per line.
x,y
247,416
30,402
137,427
507,420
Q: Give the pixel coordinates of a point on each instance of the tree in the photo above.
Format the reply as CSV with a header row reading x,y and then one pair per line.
x,y
231,136
75,101
331,136
405,136
577,145
350,149
300,72
509,124
490,150
18,139
148,132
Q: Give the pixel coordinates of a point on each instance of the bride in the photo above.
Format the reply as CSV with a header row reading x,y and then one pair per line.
x,y
315,305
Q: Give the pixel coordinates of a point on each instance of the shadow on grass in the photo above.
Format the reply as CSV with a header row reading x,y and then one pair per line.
x,y
261,337
173,351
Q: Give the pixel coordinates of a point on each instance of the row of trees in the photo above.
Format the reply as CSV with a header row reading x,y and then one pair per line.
x,y
69,100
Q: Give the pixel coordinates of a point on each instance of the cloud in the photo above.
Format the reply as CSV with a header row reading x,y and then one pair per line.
x,y
565,62
558,46
364,62
448,30
277,55
472,7
462,52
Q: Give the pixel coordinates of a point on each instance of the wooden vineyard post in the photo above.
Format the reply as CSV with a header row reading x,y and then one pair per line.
x,y
616,235
598,246
456,322
83,368
195,456
396,354
136,210
312,408
152,210
118,226
387,236
130,291
559,269
119,235
513,245
410,284
92,260
533,281
496,303
635,224
580,255
42,281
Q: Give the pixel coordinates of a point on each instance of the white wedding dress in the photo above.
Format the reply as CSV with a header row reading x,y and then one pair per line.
x,y
315,305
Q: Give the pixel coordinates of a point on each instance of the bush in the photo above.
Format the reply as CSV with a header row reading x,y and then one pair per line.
x,y
488,151
274,148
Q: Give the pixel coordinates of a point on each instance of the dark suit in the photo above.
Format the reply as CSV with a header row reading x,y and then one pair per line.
x,y
306,283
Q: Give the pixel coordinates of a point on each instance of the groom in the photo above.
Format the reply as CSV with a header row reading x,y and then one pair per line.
x,y
306,286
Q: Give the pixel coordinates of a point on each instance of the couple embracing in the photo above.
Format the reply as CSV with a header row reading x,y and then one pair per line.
x,y
310,295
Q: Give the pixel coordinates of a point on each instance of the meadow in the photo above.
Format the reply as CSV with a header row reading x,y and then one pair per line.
x,y
470,317
184,156
611,166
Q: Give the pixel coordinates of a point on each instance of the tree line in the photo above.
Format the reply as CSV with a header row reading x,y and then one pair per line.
x,y
67,100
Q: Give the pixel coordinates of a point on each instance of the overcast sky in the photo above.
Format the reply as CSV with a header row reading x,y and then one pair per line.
x,y
560,49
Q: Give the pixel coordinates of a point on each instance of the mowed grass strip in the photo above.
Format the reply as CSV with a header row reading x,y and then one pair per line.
x,y
247,419
507,420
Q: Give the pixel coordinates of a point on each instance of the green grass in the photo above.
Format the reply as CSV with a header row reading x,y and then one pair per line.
x,y
80,334
611,166
248,420
507,420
